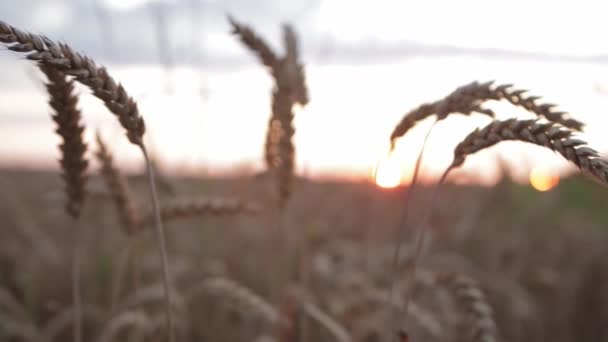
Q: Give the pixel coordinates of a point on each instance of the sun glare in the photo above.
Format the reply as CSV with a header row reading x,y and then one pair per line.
x,y
542,179
388,172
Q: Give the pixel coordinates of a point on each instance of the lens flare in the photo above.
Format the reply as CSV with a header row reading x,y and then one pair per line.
x,y
543,179
389,172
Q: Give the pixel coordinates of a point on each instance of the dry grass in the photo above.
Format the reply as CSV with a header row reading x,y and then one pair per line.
x,y
520,255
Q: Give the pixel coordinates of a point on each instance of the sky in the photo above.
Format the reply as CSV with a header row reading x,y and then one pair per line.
x,y
206,101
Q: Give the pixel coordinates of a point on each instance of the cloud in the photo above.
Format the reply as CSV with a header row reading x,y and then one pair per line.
x,y
197,32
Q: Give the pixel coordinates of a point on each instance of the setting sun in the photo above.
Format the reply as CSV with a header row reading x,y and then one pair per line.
x,y
542,179
388,172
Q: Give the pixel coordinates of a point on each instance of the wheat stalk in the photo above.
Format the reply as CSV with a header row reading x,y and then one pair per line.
x,y
549,135
279,149
67,116
185,208
338,332
290,88
63,58
467,99
119,189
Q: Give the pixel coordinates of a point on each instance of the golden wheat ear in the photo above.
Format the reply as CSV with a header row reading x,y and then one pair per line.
x,y
468,99
186,208
550,135
67,116
471,300
254,42
62,57
237,296
116,183
290,88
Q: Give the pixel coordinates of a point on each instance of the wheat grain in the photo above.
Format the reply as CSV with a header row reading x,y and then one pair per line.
x,y
119,189
549,135
63,58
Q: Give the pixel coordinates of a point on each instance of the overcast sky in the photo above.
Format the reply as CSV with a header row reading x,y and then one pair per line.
x,y
127,31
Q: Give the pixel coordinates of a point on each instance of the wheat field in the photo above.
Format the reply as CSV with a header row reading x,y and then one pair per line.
x,y
94,253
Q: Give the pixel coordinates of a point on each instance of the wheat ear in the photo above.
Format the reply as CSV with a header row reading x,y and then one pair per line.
x,y
471,299
119,189
289,89
63,58
254,42
68,118
295,67
549,135
185,208
463,100
239,296
467,99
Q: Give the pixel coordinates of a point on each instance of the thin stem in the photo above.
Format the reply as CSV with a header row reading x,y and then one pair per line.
x,y
304,270
410,272
160,239
402,227
121,273
281,263
76,288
